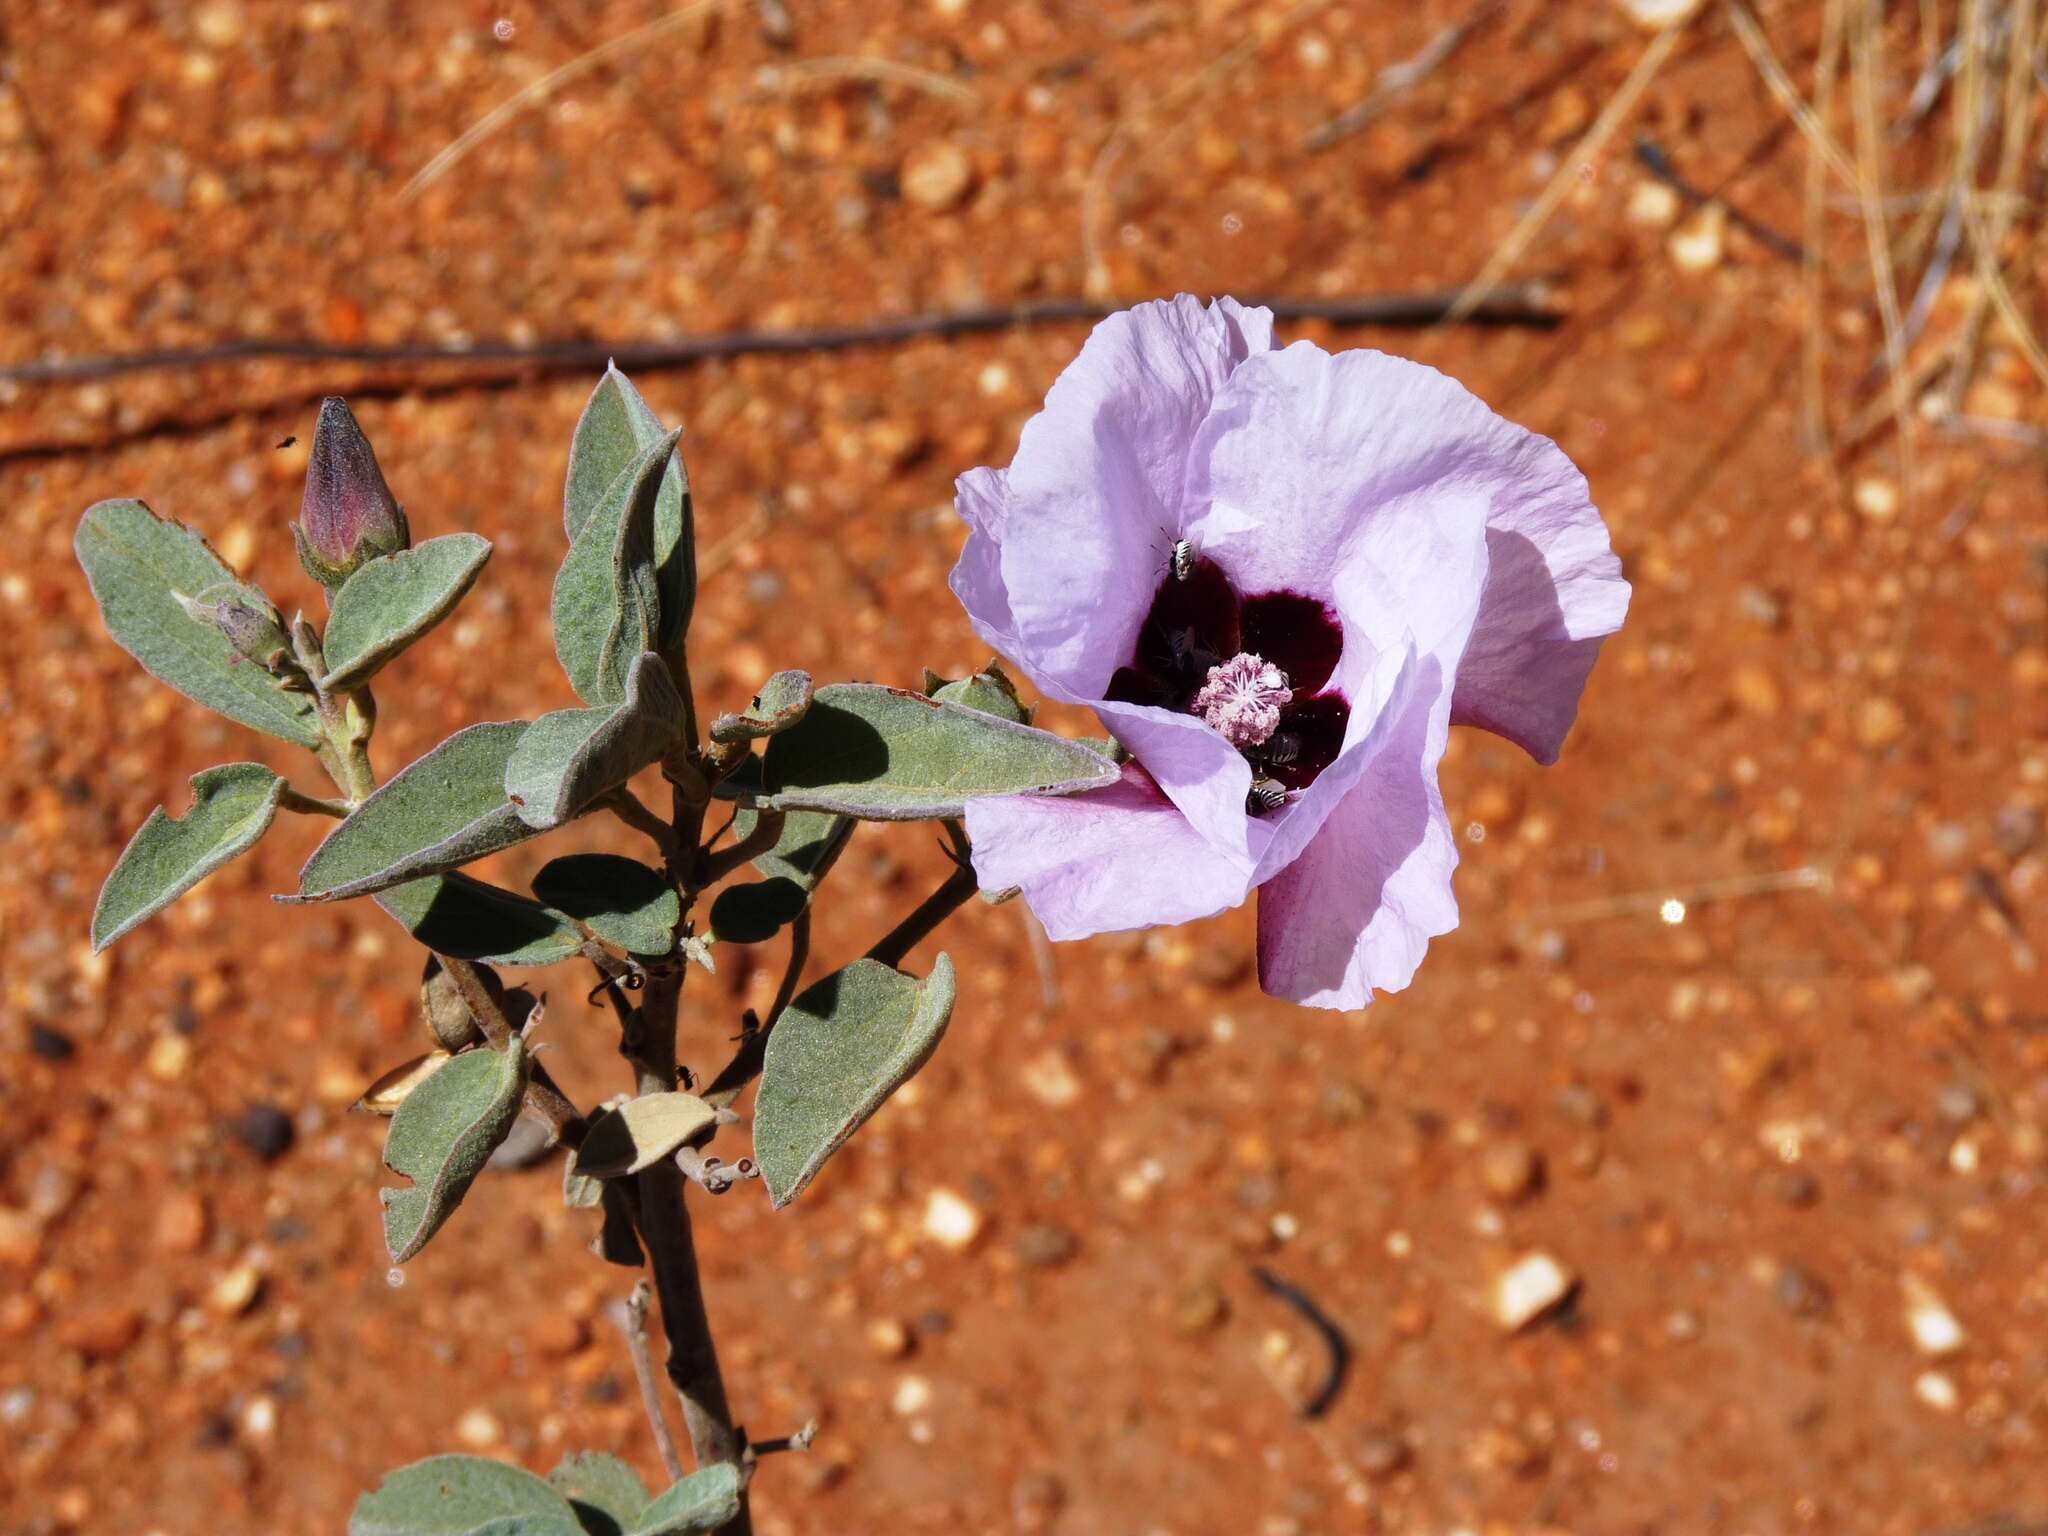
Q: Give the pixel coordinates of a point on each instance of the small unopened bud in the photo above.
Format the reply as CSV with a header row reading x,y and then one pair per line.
x,y
349,514
254,628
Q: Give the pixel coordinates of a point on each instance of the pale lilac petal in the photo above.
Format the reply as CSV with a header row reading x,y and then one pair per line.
x,y
1555,592
1358,908
1201,773
1368,433
981,495
1378,710
1095,493
1110,859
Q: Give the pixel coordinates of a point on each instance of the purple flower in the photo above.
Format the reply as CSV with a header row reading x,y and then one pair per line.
x,y
1278,577
348,515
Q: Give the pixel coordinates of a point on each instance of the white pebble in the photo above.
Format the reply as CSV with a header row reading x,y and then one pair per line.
x,y
1935,1329
259,1419
477,1429
1048,1079
949,1220
1936,1391
1659,14
1528,1288
913,1396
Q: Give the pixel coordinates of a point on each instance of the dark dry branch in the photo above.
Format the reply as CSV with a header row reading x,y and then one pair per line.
x,y
1523,304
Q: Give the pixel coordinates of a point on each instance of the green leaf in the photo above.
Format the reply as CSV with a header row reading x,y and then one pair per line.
x,y
445,810
835,1056
454,914
393,600
232,806
570,758
707,1500
137,565
640,1132
607,1495
607,598
779,705
810,845
455,1495
619,899
886,754
441,1136
989,690
616,425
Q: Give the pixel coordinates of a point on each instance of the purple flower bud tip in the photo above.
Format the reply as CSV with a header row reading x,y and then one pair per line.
x,y
349,514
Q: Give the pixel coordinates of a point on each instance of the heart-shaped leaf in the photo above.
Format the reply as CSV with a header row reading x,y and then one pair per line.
x,y
640,1132
570,758
232,807
707,1500
803,855
779,705
607,1495
458,915
393,600
618,899
835,1056
456,1495
886,754
441,1136
138,564
445,810
615,427
607,598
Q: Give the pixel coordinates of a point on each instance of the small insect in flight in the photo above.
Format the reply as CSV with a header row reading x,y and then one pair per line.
x,y
288,442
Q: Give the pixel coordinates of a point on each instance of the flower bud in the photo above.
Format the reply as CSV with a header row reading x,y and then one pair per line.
x,y
244,615
348,515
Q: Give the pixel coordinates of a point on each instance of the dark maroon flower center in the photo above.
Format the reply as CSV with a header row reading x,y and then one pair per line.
x,y
1200,622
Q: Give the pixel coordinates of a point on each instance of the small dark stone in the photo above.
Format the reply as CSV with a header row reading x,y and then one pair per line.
x,y
265,1130
1801,1293
932,1323
605,1389
51,1044
216,1432
1381,1453
1794,1187
1041,1246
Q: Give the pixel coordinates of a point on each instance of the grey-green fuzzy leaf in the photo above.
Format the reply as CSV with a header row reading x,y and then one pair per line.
x,y
615,426
886,754
619,899
706,1500
445,810
570,758
232,807
836,1055
803,855
607,1495
393,600
457,915
607,597
136,563
454,1495
441,1136
779,705
990,691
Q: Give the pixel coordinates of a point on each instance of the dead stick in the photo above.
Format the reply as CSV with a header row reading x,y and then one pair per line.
x,y
631,1316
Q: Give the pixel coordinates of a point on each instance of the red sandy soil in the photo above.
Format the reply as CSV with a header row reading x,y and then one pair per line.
x,y
1752,1126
